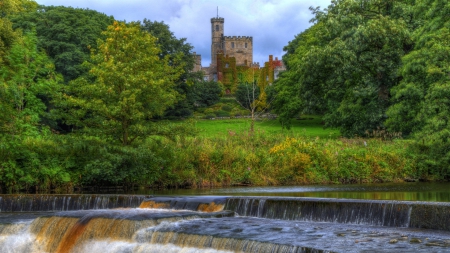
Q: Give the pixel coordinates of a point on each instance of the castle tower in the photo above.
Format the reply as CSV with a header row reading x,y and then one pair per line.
x,y
217,28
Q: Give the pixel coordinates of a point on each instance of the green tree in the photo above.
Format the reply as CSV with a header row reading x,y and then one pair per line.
x,y
178,51
296,91
131,86
7,33
204,93
250,93
25,81
348,62
425,66
66,34
421,101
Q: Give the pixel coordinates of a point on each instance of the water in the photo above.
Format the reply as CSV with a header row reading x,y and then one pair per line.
x,y
251,219
388,191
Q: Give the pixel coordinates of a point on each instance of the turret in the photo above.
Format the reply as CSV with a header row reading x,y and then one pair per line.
x,y
217,28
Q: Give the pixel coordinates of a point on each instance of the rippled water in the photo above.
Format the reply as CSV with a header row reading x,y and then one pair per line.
x,y
439,192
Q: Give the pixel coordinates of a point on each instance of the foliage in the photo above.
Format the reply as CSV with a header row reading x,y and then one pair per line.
x,y
270,159
28,77
357,60
205,93
345,65
247,95
131,85
66,34
7,33
421,100
178,52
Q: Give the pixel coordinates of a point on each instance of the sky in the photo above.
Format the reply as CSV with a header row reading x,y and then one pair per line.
x,y
271,23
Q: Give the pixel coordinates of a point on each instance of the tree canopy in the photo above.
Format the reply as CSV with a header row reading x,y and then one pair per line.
x,y
345,65
131,84
65,34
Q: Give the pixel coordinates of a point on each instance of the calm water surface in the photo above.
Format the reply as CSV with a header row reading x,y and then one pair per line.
x,y
388,191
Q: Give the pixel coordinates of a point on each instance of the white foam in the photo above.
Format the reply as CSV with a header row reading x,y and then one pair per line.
x,y
127,247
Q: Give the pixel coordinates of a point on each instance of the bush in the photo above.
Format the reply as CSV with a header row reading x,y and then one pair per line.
x,y
222,114
227,108
209,116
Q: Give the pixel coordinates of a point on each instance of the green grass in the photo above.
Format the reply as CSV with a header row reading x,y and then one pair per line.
x,y
308,126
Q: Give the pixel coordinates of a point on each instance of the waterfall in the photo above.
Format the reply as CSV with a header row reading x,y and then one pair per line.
x,y
221,225
369,212
53,202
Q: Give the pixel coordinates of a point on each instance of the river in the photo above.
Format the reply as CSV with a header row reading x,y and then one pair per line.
x,y
410,217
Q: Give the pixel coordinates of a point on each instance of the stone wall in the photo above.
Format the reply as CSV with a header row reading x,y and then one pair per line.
x,y
240,47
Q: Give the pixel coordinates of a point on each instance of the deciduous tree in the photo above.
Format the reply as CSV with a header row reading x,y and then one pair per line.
x,y
129,84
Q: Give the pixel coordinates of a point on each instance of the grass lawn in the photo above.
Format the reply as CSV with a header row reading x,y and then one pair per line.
x,y
308,125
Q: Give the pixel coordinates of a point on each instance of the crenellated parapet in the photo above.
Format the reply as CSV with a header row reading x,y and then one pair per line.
x,y
218,19
238,38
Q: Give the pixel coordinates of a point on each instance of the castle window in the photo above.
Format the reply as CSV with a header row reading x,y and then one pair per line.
x,y
232,44
245,44
227,65
217,27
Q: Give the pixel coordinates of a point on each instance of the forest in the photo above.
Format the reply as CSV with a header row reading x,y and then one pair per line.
x,y
87,100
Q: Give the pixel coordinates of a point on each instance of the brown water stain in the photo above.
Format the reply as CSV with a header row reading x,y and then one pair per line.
x,y
210,207
153,204
50,231
71,237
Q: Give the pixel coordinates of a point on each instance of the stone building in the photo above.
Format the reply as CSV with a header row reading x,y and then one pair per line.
x,y
231,56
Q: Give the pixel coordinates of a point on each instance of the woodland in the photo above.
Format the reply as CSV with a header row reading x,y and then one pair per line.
x,y
90,101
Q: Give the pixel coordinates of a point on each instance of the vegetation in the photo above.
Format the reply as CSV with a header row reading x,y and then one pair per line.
x,y
65,34
83,100
309,126
375,66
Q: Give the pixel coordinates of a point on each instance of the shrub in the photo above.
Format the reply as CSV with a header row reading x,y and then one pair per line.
x,y
222,114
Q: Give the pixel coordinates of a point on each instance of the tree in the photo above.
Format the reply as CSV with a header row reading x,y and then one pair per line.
x,y
204,93
177,51
421,101
27,82
7,33
249,93
425,66
132,84
297,90
66,34
348,62
28,77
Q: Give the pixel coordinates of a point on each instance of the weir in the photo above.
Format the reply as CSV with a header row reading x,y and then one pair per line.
x,y
54,202
224,224
429,215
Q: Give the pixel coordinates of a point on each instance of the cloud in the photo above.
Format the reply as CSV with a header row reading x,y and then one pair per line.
x,y
271,23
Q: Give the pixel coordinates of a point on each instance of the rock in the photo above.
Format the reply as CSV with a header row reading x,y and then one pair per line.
x,y
434,244
393,241
415,240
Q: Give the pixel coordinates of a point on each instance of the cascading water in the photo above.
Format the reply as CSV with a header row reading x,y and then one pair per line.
x,y
219,224
40,203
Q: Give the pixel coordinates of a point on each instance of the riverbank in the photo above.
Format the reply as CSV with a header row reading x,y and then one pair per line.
x,y
231,157
293,159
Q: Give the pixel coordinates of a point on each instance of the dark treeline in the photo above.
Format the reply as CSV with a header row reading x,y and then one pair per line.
x,y
84,99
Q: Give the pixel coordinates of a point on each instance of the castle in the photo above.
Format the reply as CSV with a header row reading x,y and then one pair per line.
x,y
232,57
